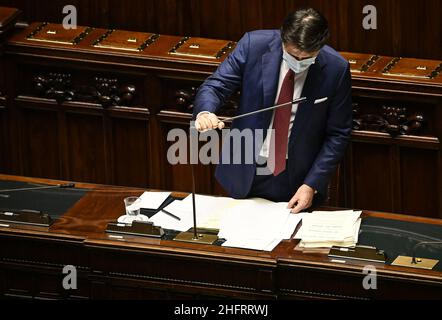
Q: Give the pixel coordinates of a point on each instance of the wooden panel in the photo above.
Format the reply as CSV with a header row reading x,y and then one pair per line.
x,y
7,20
396,146
396,175
56,33
372,177
131,156
125,40
405,27
86,148
40,144
8,17
297,282
412,68
419,181
18,284
4,134
41,284
200,47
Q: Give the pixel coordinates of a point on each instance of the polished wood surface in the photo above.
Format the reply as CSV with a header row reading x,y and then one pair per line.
x,y
135,267
7,18
158,51
405,27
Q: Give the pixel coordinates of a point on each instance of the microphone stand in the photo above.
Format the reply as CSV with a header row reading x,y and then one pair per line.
x,y
193,236
417,263
416,260
195,230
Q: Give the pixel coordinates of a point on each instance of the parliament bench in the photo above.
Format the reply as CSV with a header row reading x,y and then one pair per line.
x,y
109,266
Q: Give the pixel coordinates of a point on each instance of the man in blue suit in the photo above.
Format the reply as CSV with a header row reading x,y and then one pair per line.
x,y
305,142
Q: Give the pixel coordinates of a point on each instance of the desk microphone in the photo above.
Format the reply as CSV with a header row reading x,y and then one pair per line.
x,y
417,260
58,186
417,263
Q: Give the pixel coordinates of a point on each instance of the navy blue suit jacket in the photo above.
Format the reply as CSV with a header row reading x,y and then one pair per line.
x,y
320,133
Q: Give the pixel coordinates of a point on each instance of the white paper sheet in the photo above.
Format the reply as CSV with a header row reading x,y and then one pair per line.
x,y
153,200
258,224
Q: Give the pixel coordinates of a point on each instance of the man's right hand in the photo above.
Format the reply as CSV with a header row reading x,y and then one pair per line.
x,y
208,121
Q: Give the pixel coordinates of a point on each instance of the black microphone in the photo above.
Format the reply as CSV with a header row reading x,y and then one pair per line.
x,y
58,186
414,259
417,263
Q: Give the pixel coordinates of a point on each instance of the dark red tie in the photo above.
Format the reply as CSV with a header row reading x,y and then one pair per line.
x,y
281,124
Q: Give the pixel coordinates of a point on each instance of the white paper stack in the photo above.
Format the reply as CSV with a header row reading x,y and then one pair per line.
x,y
258,224
325,229
250,224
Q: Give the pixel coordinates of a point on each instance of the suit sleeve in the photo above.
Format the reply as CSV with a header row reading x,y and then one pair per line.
x,y
214,92
338,134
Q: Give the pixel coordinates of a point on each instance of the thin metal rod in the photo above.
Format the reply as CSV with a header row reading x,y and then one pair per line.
x,y
194,147
297,101
195,230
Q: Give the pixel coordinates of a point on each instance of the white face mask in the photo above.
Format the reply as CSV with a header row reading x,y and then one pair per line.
x,y
295,65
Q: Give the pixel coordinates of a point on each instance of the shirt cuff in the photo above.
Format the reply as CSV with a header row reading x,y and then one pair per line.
x,y
201,113
316,191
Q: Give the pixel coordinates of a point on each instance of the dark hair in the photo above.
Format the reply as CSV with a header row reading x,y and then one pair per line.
x,y
306,29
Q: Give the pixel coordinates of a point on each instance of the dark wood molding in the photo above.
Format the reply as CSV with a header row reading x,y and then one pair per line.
x,y
411,30
393,120
8,18
105,91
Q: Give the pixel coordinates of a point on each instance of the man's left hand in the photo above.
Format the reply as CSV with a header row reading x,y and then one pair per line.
x,y
302,200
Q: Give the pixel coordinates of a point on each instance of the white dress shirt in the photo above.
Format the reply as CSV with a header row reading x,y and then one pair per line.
x,y
299,87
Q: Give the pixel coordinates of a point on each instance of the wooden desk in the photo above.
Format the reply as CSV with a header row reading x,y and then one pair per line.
x,y
32,259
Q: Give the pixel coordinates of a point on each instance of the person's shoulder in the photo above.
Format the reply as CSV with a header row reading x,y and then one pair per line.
x,y
334,57
264,36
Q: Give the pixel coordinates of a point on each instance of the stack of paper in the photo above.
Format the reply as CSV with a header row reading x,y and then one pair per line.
x,y
328,229
257,224
250,224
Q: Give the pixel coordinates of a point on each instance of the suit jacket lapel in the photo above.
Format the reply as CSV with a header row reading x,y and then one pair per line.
x,y
271,66
305,109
